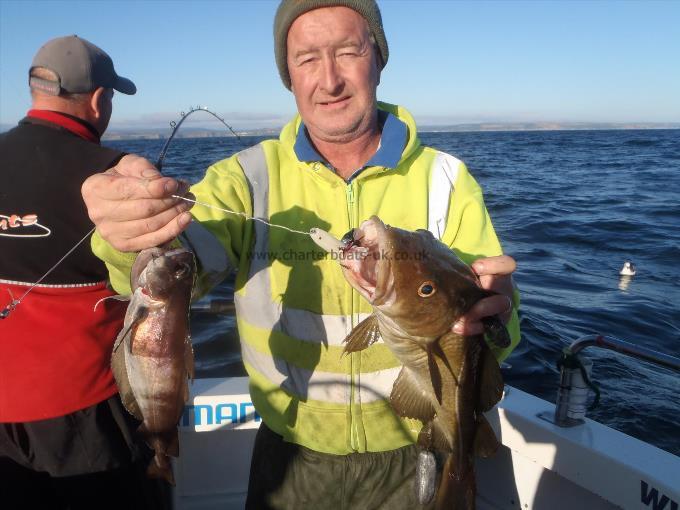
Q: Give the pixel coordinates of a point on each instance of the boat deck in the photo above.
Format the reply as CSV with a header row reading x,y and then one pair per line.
x,y
540,465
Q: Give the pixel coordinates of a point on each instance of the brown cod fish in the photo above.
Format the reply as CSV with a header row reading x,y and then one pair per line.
x,y
152,356
418,289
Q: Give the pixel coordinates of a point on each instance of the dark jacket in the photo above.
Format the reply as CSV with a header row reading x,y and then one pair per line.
x,y
55,348
42,167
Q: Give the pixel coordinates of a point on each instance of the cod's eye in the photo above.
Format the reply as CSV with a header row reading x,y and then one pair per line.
x,y
427,289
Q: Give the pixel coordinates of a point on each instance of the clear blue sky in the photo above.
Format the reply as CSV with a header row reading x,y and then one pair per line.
x,y
450,61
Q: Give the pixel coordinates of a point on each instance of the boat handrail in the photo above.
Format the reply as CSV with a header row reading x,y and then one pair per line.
x,y
575,379
636,351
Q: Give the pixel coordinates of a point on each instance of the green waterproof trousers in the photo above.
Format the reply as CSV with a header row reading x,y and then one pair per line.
x,y
288,476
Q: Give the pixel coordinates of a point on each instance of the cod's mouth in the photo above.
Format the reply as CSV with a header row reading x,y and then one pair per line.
x,y
365,260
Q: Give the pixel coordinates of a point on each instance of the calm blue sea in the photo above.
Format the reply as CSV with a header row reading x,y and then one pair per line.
x,y
571,207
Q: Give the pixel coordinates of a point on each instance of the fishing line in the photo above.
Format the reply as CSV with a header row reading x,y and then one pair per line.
x,y
4,313
16,302
242,214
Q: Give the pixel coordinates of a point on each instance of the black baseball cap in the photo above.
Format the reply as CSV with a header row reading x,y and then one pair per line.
x,y
80,67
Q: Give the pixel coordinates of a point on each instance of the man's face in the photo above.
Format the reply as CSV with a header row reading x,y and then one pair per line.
x,y
333,72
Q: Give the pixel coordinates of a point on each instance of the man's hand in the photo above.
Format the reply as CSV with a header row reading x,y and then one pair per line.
x,y
495,273
132,206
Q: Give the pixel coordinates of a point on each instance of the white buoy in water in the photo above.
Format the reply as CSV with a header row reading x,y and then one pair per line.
x,y
628,269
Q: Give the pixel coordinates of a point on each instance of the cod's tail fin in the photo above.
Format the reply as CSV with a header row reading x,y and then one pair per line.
x,y
457,490
160,467
164,444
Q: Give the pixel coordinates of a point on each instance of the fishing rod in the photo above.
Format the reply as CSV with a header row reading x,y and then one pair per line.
x,y
11,306
175,126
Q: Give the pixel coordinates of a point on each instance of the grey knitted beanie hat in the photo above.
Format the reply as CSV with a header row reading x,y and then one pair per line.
x,y
289,10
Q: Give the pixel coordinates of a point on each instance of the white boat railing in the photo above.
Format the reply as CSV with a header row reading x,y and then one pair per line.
x,y
570,408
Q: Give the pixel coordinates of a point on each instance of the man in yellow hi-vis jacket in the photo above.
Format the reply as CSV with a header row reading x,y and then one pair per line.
x,y
329,435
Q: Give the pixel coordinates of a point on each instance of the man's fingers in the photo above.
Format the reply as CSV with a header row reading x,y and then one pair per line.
x,y
132,165
470,323
131,210
133,207
495,274
500,265
500,284
149,236
137,225
133,177
468,328
492,305
116,187
153,181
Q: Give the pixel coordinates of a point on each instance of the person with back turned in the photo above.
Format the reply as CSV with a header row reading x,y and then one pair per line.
x,y
329,437
65,439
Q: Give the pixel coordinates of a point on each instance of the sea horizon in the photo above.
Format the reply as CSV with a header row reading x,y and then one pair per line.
x,y
161,132
201,132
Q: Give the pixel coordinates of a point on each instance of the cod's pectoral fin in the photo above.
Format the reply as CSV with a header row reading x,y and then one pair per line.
x,y
447,348
364,334
435,374
408,400
491,382
486,443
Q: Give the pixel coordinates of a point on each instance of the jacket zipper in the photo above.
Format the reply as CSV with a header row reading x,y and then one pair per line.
x,y
357,439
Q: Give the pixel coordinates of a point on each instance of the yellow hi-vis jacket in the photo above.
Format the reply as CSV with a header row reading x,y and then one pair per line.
x,y
294,308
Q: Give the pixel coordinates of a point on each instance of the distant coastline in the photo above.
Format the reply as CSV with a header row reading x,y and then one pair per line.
x,y
191,132
158,133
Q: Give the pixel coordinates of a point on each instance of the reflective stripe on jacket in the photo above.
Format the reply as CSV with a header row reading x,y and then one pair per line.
x,y
294,307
